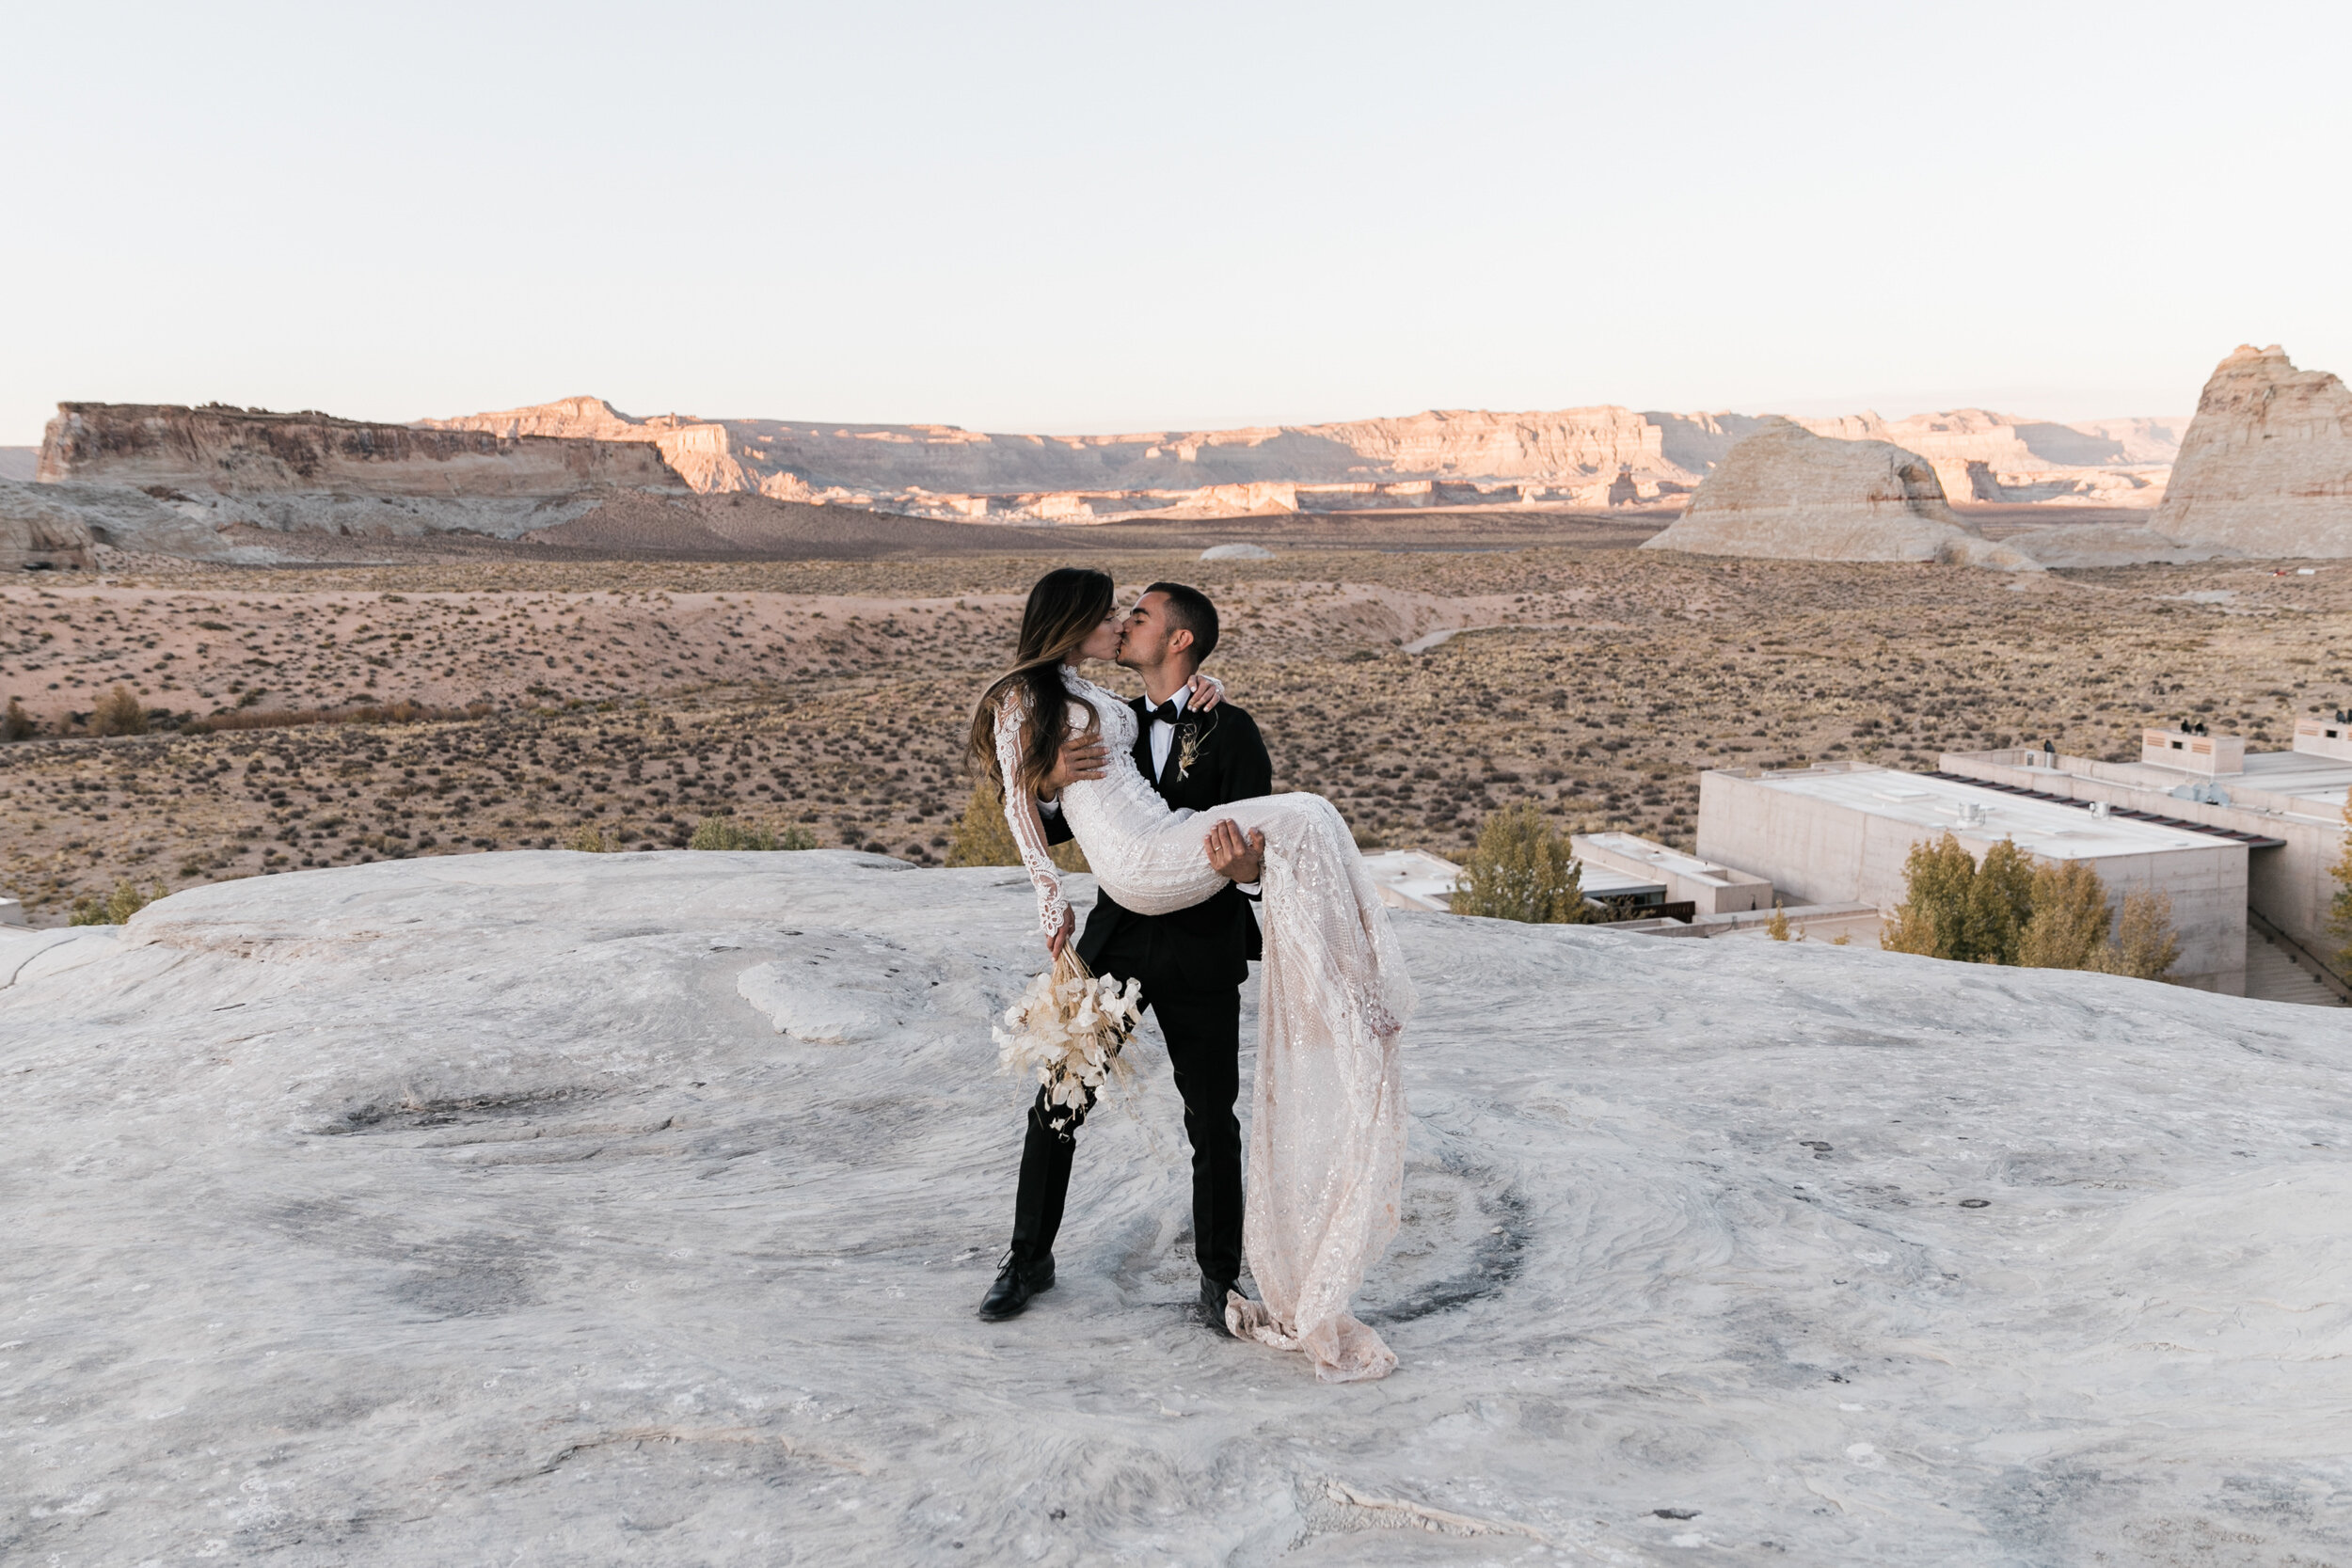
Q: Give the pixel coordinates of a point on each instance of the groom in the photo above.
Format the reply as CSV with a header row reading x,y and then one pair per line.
x,y
1191,963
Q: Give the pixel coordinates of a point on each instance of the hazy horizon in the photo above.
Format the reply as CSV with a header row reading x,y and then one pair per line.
x,y
1057,220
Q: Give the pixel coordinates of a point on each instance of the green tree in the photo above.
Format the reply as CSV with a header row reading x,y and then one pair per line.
x,y
118,712
722,832
1933,919
2068,928
2000,902
1521,870
2145,946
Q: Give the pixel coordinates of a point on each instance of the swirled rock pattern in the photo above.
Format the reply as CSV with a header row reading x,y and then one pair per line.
x,y
634,1208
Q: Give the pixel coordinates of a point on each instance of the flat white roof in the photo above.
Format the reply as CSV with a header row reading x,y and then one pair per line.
x,y
1667,859
1607,882
2047,828
1424,878
2298,774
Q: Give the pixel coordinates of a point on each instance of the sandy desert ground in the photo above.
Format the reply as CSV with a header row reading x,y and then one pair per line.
x,y
1420,685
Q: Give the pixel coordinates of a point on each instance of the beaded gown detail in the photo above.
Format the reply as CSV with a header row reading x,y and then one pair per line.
x,y
1326,1137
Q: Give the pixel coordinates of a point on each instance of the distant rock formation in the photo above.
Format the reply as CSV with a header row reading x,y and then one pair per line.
x,y
2266,466
239,451
1573,459
1790,495
2001,458
1237,552
311,470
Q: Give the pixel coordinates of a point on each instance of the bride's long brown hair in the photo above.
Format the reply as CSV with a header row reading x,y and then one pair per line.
x,y
1064,607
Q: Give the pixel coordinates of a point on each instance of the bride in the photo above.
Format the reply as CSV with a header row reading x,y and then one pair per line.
x,y
1326,1144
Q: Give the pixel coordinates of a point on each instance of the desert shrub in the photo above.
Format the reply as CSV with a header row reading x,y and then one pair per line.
x,y
1777,927
721,833
1521,870
2068,928
1933,919
592,840
2145,946
114,908
982,837
245,717
118,712
16,723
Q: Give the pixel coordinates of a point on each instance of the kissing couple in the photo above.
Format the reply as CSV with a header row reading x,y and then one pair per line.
x,y
1170,797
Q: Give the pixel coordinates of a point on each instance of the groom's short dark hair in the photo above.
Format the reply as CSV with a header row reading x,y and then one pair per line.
x,y
1189,609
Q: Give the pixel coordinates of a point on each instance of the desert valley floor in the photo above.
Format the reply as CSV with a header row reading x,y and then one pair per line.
x,y
1420,684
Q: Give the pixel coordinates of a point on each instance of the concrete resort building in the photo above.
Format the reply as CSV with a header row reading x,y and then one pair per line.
x,y
1842,832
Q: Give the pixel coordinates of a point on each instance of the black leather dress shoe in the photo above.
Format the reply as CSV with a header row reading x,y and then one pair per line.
x,y
1017,1281
1212,1294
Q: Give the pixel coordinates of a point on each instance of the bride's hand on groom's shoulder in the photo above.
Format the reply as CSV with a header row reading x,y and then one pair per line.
x,y
1203,693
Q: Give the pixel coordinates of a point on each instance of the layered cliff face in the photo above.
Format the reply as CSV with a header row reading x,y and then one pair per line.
x,y
1602,458
2267,465
247,452
1791,494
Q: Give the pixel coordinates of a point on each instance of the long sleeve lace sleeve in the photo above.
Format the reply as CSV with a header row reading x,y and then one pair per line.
x,y
1028,833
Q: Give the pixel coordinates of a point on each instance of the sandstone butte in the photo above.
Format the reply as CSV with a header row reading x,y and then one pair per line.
x,y
1790,495
249,451
592,1209
2265,468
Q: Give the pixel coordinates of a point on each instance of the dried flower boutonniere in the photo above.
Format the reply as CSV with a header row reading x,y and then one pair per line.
x,y
1188,741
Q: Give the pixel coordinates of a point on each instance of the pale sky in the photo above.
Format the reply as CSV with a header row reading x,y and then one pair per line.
x,y
1094,217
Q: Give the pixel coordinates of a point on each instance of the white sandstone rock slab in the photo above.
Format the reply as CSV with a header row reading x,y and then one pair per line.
x,y
464,1209
1787,493
1237,552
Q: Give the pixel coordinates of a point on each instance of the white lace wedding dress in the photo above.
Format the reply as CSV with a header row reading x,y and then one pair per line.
x,y
1327,1139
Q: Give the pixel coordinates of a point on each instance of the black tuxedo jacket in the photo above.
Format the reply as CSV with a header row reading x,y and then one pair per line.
x,y
1217,939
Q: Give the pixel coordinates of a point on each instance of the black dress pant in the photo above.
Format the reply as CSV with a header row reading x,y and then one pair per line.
x,y
1201,1024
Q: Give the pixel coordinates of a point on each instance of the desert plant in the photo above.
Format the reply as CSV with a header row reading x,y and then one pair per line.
x,y
592,840
982,837
114,908
1777,927
1521,870
719,832
16,723
2068,928
2145,946
1933,919
118,712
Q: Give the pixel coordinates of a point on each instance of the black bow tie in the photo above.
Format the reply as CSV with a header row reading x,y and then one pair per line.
x,y
1167,712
